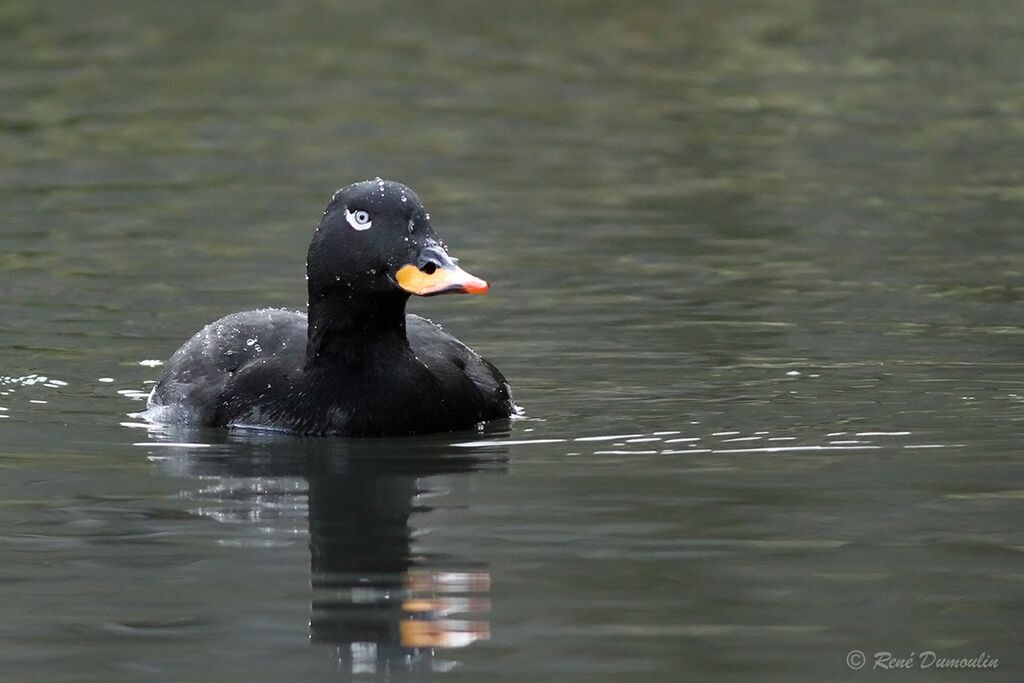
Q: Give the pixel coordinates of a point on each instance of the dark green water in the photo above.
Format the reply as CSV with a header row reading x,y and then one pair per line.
x,y
778,245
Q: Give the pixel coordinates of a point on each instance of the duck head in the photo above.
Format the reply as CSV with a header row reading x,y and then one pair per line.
x,y
375,237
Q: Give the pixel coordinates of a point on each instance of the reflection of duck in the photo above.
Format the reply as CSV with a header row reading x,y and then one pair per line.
x,y
358,366
370,590
378,602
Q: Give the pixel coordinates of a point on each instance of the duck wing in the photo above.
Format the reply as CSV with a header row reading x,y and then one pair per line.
x,y
196,376
461,370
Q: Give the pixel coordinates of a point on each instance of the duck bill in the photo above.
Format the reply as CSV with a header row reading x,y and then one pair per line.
x,y
449,279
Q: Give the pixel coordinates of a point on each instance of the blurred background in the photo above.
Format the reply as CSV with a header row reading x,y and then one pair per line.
x,y
756,277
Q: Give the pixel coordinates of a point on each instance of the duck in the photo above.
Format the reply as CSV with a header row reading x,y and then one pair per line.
x,y
355,364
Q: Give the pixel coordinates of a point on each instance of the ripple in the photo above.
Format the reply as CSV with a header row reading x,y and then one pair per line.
x,y
612,437
499,442
29,380
639,444
882,434
785,449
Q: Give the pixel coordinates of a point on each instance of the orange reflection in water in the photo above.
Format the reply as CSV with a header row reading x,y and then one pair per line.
x,y
432,597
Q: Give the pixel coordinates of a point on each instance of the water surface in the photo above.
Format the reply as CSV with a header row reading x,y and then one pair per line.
x,y
756,279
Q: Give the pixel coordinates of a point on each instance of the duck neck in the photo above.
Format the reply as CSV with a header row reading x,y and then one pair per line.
x,y
346,327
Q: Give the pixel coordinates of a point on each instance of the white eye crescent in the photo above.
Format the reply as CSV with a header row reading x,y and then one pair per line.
x,y
359,219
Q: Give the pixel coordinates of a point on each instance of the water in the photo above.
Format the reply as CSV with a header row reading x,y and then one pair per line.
x,y
756,279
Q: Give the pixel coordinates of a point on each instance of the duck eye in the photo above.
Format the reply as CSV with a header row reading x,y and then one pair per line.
x,y
359,219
